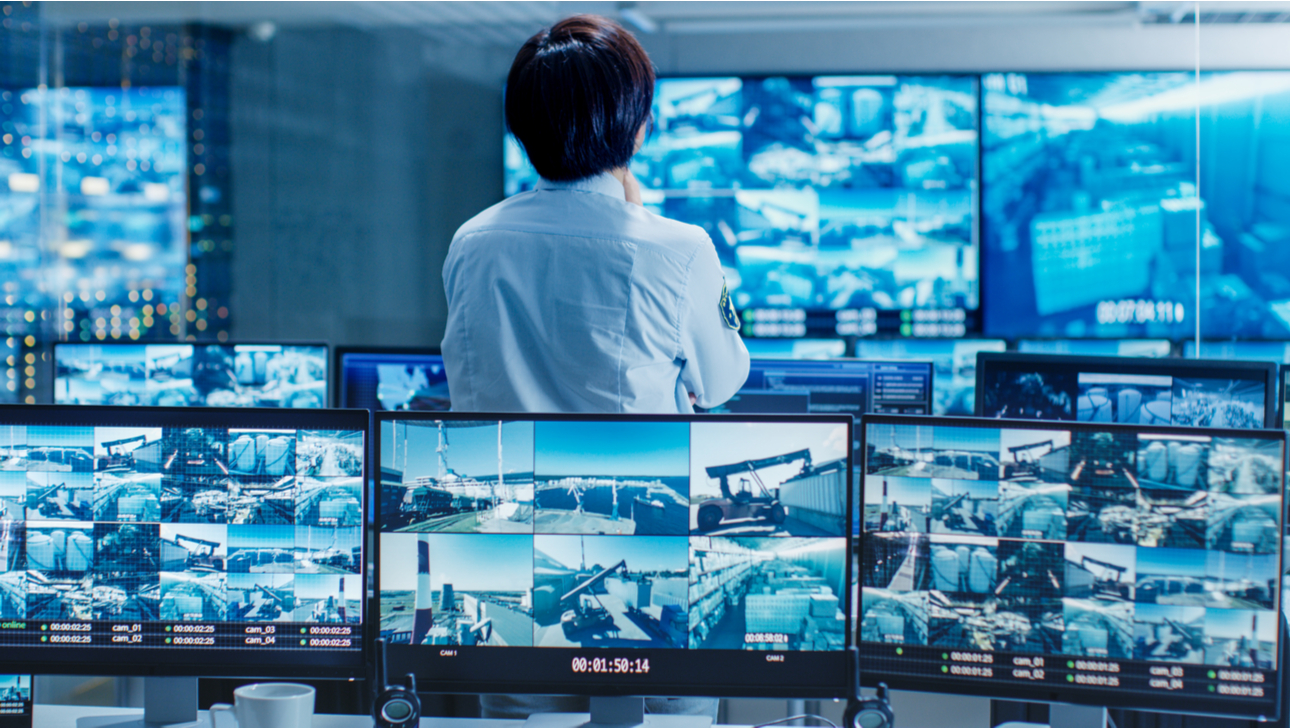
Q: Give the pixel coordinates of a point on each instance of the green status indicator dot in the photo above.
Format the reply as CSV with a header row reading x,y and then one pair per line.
x,y
167,640
303,642
900,650
945,655
1070,678
905,316
44,627
1070,664
302,630
44,638
1211,688
1212,674
168,628
906,330
945,668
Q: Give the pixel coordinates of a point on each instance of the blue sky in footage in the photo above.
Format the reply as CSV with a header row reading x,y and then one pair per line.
x,y
905,491
642,553
727,443
470,562
659,449
911,437
1171,562
471,450
1235,623
261,537
321,586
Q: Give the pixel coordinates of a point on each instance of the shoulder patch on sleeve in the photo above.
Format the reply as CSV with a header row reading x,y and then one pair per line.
x,y
728,313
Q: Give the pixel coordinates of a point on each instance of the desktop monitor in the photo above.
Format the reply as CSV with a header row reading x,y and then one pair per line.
x,y
954,359
1190,393
1091,194
839,205
203,542
388,378
616,555
1147,348
1277,351
1125,566
199,374
15,701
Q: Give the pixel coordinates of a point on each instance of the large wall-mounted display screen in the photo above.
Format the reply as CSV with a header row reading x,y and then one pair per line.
x,y
839,205
1109,565
631,555
1089,205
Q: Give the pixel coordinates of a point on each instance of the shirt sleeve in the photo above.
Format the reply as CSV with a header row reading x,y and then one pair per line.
x,y
716,360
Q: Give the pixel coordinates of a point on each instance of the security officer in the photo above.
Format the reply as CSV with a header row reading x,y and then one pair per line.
x,y
573,297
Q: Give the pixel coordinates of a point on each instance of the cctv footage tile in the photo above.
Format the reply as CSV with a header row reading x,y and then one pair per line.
x,y
328,599
126,548
1033,510
1169,633
962,565
1031,570
127,497
965,506
193,547
791,591
329,454
893,617
59,495
1102,507
464,589
1218,403
763,479
610,591
329,550
195,475
1240,581
896,503
994,624
13,546
1138,399
1035,456
1100,571
959,453
1240,466
13,595
194,596
1098,628
261,597
13,447
1244,524
897,562
330,502
1241,637
1171,577
458,477
1030,395
13,495
261,549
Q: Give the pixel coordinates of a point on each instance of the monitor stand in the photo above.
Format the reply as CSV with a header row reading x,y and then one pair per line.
x,y
1064,715
168,702
616,712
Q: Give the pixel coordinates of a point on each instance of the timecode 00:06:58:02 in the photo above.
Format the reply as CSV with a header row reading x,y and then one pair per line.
x,y
620,665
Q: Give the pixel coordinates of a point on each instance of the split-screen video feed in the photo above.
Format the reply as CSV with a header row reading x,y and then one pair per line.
x,y
553,534
181,524
189,375
1118,545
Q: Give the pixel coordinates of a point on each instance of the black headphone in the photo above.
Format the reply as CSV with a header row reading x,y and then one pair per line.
x,y
395,706
865,712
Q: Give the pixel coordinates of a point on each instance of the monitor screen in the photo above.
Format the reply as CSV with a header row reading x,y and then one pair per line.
x,y
15,701
218,542
1285,406
391,379
845,386
954,360
191,375
1185,392
839,205
796,348
1149,348
616,554
1110,565
1277,351
1090,201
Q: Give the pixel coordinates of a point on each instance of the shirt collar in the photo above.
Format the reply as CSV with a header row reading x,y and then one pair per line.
x,y
603,183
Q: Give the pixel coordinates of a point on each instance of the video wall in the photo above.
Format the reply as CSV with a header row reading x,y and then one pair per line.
x,y
858,195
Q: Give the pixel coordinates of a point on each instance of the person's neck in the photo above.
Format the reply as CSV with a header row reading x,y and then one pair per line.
x,y
620,174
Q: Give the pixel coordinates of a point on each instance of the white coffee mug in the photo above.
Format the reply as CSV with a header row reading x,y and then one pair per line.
x,y
269,705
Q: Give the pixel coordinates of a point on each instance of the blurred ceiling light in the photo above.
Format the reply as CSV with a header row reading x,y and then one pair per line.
x,y
156,192
75,248
22,182
95,186
6,249
137,251
638,20
263,31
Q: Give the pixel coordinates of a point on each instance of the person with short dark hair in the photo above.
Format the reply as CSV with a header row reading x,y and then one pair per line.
x,y
573,297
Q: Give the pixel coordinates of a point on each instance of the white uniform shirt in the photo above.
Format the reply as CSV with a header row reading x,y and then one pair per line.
x,y
568,298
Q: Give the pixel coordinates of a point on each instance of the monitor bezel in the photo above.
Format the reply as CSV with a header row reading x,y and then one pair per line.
x,y
1059,693
1252,370
146,662
327,357
338,353
402,660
